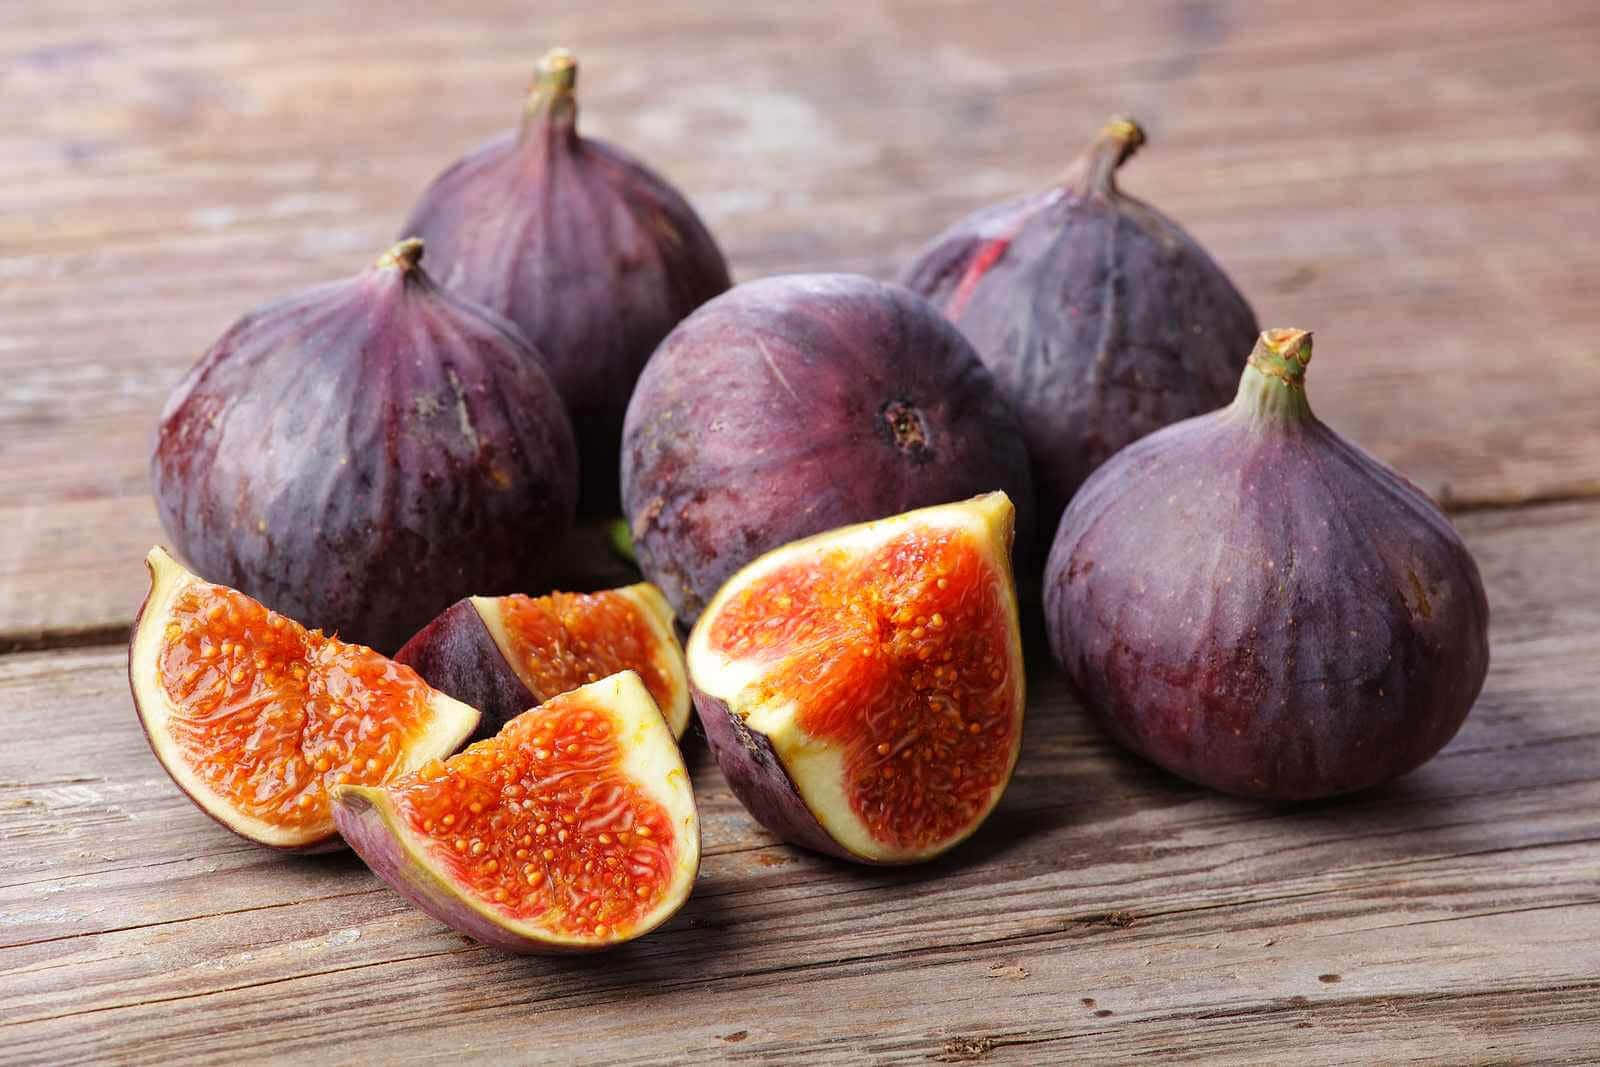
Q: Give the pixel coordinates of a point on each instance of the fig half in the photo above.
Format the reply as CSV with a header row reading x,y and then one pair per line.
x,y
255,717
1256,604
863,689
573,829
1100,318
503,655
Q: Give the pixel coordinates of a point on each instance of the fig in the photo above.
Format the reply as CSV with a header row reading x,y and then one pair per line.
x,y
862,689
592,254
572,829
255,717
503,655
1257,605
1099,317
362,455
793,405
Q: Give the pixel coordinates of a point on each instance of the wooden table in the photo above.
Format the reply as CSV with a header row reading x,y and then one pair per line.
x,y
1414,181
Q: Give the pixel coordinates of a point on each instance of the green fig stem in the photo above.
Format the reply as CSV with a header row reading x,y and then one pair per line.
x,y
1095,171
404,256
551,102
1274,379
621,539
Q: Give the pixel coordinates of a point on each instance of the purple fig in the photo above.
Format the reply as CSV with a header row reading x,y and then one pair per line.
x,y
1100,318
365,453
797,404
1254,603
592,254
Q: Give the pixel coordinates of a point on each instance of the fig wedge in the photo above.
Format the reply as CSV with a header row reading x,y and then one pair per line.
x,y
573,829
254,716
863,689
503,655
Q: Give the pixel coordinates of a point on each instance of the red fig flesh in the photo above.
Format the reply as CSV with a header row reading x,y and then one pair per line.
x,y
594,256
255,718
363,454
863,689
1254,603
573,829
503,655
1100,318
798,404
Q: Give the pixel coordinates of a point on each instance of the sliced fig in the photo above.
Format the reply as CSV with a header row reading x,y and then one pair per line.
x,y
255,717
863,689
572,829
505,654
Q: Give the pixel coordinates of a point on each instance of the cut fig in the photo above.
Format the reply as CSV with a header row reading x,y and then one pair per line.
x,y
255,717
863,689
503,655
572,829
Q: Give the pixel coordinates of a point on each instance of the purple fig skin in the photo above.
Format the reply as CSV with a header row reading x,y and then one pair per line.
x,y
1257,605
758,778
798,404
363,828
363,454
1101,319
456,654
593,255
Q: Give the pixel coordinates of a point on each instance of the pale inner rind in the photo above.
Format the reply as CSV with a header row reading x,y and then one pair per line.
x,y
817,767
650,761
452,722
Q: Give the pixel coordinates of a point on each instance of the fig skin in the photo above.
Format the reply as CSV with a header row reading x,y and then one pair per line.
x,y
363,454
592,254
1100,318
1255,604
798,404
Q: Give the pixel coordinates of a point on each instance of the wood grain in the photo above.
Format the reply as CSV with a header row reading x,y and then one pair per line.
x,y
1106,911
1414,181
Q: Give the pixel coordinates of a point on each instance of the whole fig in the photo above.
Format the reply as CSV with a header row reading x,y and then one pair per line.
x,y
1254,603
798,404
365,453
1101,319
594,256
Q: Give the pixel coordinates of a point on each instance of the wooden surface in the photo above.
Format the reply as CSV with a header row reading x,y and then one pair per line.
x,y
1414,181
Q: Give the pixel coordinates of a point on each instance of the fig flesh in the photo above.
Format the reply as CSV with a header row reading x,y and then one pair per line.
x,y
255,717
592,254
365,453
1100,318
1255,604
863,689
573,829
503,655
799,404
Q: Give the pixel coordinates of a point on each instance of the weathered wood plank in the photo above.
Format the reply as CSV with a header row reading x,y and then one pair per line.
x,y
1450,917
1409,180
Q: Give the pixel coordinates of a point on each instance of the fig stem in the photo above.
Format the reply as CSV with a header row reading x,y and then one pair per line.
x,y
403,256
621,540
1096,169
552,93
1274,379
